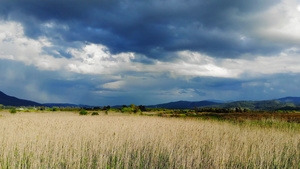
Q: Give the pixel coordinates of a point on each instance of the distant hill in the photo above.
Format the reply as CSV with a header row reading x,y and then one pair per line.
x,y
256,105
286,103
277,104
13,101
294,100
183,104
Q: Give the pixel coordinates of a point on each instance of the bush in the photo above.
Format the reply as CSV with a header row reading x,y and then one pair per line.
x,y
113,110
13,111
42,108
55,109
83,112
95,113
127,110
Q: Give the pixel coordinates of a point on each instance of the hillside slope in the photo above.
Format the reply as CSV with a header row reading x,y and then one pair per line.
x,y
13,101
183,104
255,105
294,100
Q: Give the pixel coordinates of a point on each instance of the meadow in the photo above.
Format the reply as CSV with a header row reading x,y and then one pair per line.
x,y
118,140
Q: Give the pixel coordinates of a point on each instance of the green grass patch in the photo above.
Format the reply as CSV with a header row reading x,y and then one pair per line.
x,y
83,112
13,111
95,113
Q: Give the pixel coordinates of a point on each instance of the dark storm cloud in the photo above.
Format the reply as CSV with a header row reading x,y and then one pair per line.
x,y
51,86
27,82
152,28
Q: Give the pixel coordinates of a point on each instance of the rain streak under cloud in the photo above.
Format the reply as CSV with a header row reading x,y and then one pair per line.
x,y
148,52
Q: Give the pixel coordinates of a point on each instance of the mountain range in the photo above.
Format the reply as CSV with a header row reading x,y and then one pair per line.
x,y
286,103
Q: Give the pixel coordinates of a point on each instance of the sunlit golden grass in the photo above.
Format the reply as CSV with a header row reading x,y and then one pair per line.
x,y
67,140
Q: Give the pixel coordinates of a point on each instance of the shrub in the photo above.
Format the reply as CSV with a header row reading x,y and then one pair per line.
x,y
42,108
114,110
95,113
127,109
136,110
13,110
83,112
55,109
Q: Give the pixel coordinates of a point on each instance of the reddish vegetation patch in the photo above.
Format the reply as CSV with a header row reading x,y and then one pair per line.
x,y
288,117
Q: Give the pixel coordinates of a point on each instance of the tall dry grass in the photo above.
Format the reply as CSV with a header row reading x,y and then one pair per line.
x,y
67,140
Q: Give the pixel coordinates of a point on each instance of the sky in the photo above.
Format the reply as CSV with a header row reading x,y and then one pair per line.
x,y
115,52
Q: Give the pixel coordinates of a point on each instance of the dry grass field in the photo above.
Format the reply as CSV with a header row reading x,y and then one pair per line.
x,y
67,140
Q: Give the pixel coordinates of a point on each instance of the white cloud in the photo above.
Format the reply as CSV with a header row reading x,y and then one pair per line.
x,y
178,94
286,62
15,46
97,59
280,23
113,85
298,8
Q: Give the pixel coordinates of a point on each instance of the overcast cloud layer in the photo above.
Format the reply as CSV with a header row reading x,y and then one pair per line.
x,y
147,52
